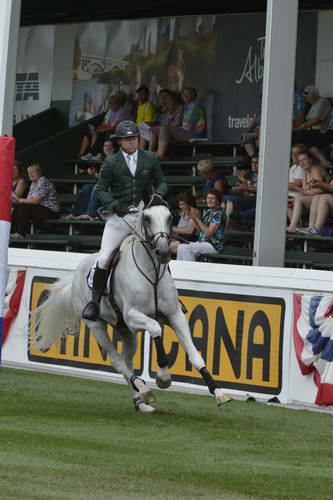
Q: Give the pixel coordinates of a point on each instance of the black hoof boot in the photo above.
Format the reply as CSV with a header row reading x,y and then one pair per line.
x,y
91,311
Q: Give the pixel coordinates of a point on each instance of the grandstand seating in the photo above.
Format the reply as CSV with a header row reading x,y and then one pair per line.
x,y
180,172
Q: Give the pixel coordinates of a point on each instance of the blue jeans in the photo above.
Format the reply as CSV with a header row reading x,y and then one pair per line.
x,y
86,202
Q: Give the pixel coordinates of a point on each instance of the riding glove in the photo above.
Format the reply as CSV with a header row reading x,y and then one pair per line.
x,y
121,209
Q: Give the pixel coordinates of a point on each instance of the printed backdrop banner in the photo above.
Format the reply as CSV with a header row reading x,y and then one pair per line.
x,y
34,71
313,341
221,56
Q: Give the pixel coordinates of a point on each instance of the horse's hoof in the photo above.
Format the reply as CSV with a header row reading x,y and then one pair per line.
x,y
162,383
147,397
140,406
221,398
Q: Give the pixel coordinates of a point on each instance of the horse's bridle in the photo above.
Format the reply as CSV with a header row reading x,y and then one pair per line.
x,y
158,235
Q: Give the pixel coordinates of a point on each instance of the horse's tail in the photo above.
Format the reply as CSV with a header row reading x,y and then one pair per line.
x,y
54,317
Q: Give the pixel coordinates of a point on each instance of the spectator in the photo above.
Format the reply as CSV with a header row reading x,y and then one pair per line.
x,y
40,204
296,172
186,227
250,137
86,204
211,229
301,204
243,207
20,182
146,110
314,132
172,116
321,207
193,124
158,118
95,139
212,179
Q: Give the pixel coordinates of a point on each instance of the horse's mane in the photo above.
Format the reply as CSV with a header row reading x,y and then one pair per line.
x,y
138,225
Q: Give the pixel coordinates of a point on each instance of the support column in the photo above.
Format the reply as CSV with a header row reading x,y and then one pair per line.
x,y
10,11
275,133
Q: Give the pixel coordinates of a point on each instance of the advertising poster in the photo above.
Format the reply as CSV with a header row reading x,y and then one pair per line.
x,y
34,71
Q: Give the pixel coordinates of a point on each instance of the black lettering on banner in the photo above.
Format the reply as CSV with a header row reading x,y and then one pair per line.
x,y
234,350
76,345
261,351
199,314
63,345
86,342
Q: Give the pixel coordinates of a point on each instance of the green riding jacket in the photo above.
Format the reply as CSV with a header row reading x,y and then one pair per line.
x,y
116,184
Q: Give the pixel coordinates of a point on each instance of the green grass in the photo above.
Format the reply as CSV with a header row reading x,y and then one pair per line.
x,y
70,438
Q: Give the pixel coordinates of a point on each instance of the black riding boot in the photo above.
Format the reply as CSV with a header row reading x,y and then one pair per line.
x,y
91,311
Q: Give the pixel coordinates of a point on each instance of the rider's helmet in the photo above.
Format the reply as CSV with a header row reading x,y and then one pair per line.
x,y
127,128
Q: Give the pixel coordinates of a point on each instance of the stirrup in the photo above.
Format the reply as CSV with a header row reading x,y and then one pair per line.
x,y
91,311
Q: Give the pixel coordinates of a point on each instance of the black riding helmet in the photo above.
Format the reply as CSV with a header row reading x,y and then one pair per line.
x,y
127,128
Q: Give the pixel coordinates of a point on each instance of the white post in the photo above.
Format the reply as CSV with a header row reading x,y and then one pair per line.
x,y
10,11
275,133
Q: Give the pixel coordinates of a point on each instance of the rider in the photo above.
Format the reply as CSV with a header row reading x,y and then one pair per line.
x,y
125,178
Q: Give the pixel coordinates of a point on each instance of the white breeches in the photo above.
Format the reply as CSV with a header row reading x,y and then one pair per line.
x,y
115,230
191,250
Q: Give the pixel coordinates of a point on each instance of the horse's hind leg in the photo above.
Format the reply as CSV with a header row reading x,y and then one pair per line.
x,y
180,325
136,320
99,329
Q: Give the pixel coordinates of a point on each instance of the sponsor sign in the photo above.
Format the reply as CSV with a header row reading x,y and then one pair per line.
x,y
239,336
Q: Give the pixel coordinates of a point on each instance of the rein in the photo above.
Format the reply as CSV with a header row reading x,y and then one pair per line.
x,y
144,241
158,277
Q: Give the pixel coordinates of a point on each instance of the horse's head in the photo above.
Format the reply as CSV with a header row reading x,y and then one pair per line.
x,y
156,221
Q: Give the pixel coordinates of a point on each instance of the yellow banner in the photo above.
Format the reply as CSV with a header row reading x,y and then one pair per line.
x,y
239,337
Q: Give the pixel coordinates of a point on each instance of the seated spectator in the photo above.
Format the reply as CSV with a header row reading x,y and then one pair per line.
x,y
314,132
212,179
301,204
158,118
242,208
93,141
211,229
20,181
86,204
186,227
172,116
193,124
41,203
296,172
250,137
321,208
146,110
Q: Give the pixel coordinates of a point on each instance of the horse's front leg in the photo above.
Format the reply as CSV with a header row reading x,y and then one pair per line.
x,y
99,329
179,324
129,349
136,321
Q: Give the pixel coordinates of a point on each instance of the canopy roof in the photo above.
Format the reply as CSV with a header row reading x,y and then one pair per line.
x,y
72,11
